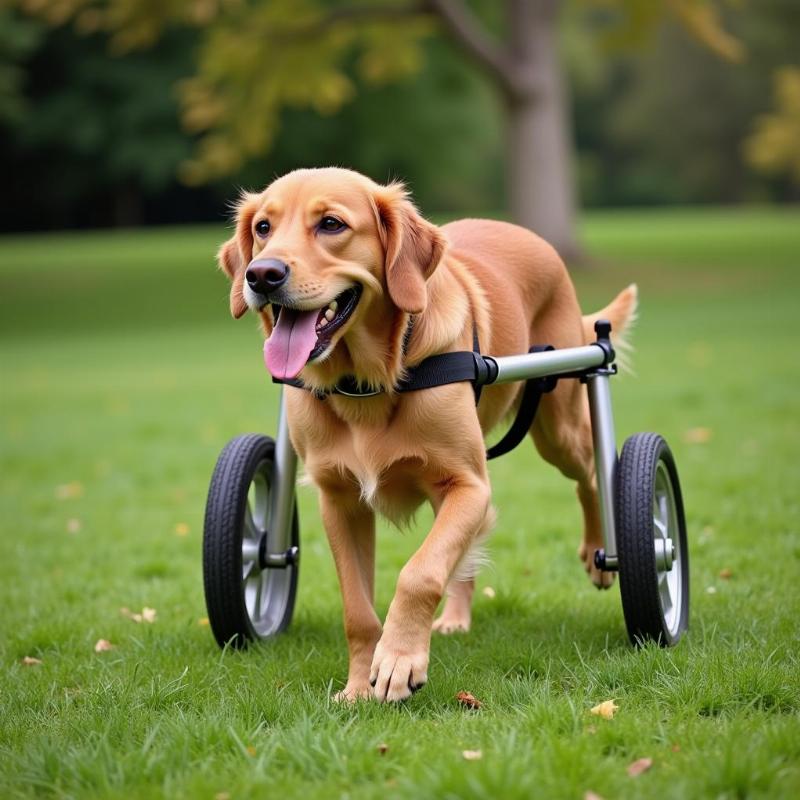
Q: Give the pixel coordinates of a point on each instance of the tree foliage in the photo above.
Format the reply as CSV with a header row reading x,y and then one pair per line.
x,y
256,59
774,146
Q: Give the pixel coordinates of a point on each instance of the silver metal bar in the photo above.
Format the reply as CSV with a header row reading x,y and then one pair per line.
x,y
284,477
605,459
552,362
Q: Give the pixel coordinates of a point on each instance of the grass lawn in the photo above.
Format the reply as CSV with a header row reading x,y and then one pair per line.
x,y
122,378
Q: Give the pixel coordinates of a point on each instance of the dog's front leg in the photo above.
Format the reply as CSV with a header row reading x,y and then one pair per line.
x,y
400,663
350,526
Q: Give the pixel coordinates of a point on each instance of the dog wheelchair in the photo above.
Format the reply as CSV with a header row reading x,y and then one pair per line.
x,y
251,539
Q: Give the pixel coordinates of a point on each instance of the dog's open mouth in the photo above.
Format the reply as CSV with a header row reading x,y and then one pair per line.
x,y
300,336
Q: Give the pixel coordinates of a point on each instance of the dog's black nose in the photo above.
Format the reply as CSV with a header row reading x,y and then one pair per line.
x,y
266,275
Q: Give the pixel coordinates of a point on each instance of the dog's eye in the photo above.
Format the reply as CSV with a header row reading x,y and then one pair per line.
x,y
331,225
262,228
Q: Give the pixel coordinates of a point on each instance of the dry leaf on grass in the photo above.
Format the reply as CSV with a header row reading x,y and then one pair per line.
x,y
383,748
468,700
639,766
605,709
203,621
472,755
147,615
697,435
181,529
251,750
676,748
489,592
222,796
726,574
73,525
30,661
103,645
69,491
592,796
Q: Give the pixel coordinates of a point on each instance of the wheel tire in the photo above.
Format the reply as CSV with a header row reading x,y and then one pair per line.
x,y
238,505
649,507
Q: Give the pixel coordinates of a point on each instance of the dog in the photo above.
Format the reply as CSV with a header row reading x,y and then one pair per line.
x,y
350,280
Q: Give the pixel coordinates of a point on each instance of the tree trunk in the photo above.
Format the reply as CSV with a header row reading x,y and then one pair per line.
x,y
539,178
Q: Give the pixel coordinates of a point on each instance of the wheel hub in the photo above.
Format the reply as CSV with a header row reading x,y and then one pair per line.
x,y
665,554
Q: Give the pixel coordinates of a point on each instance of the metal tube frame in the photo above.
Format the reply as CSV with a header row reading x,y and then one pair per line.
x,y
591,363
284,477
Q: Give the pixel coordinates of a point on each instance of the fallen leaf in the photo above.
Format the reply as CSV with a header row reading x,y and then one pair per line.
x,y
383,748
472,755
605,709
711,590
147,615
222,796
103,645
73,525
489,592
69,491
726,573
30,661
181,529
639,766
468,700
676,748
592,796
251,750
203,621
697,435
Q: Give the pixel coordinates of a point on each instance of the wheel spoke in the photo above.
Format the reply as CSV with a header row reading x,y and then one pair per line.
x,y
660,526
664,591
258,601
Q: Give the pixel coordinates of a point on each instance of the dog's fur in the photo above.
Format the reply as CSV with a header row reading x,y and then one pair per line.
x,y
391,452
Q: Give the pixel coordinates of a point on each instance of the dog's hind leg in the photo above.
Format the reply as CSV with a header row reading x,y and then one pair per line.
x,y
457,612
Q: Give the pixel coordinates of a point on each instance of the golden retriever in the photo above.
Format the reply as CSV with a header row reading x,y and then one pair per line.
x,y
349,264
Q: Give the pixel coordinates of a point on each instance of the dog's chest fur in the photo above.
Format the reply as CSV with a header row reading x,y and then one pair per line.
x,y
389,470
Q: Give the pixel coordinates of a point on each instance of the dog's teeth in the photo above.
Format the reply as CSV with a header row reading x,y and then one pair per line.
x,y
323,322
330,314
333,305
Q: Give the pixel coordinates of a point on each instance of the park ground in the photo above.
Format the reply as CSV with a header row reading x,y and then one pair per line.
x,y
122,378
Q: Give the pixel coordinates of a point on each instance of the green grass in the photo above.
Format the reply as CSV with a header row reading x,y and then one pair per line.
x,y
122,377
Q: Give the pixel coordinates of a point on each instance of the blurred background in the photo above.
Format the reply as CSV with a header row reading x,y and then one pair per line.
x,y
127,113
655,141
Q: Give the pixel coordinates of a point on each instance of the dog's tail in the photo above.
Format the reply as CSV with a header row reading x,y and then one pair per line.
x,y
621,313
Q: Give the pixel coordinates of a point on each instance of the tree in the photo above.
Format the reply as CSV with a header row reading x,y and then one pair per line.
x,y
256,59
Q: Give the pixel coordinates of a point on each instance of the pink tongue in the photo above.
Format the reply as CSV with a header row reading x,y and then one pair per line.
x,y
291,343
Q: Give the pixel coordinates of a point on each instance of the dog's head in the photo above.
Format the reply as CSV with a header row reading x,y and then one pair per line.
x,y
318,250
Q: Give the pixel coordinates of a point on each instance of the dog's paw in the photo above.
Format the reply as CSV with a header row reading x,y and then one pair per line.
x,y
396,675
353,692
451,622
602,580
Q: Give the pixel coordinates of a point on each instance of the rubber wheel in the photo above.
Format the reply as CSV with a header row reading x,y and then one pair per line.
x,y
245,604
652,551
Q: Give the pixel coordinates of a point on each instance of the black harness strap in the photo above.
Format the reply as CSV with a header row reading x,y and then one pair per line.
x,y
461,367
531,395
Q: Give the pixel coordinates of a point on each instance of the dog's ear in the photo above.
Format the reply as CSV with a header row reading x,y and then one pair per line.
x,y
234,255
413,247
